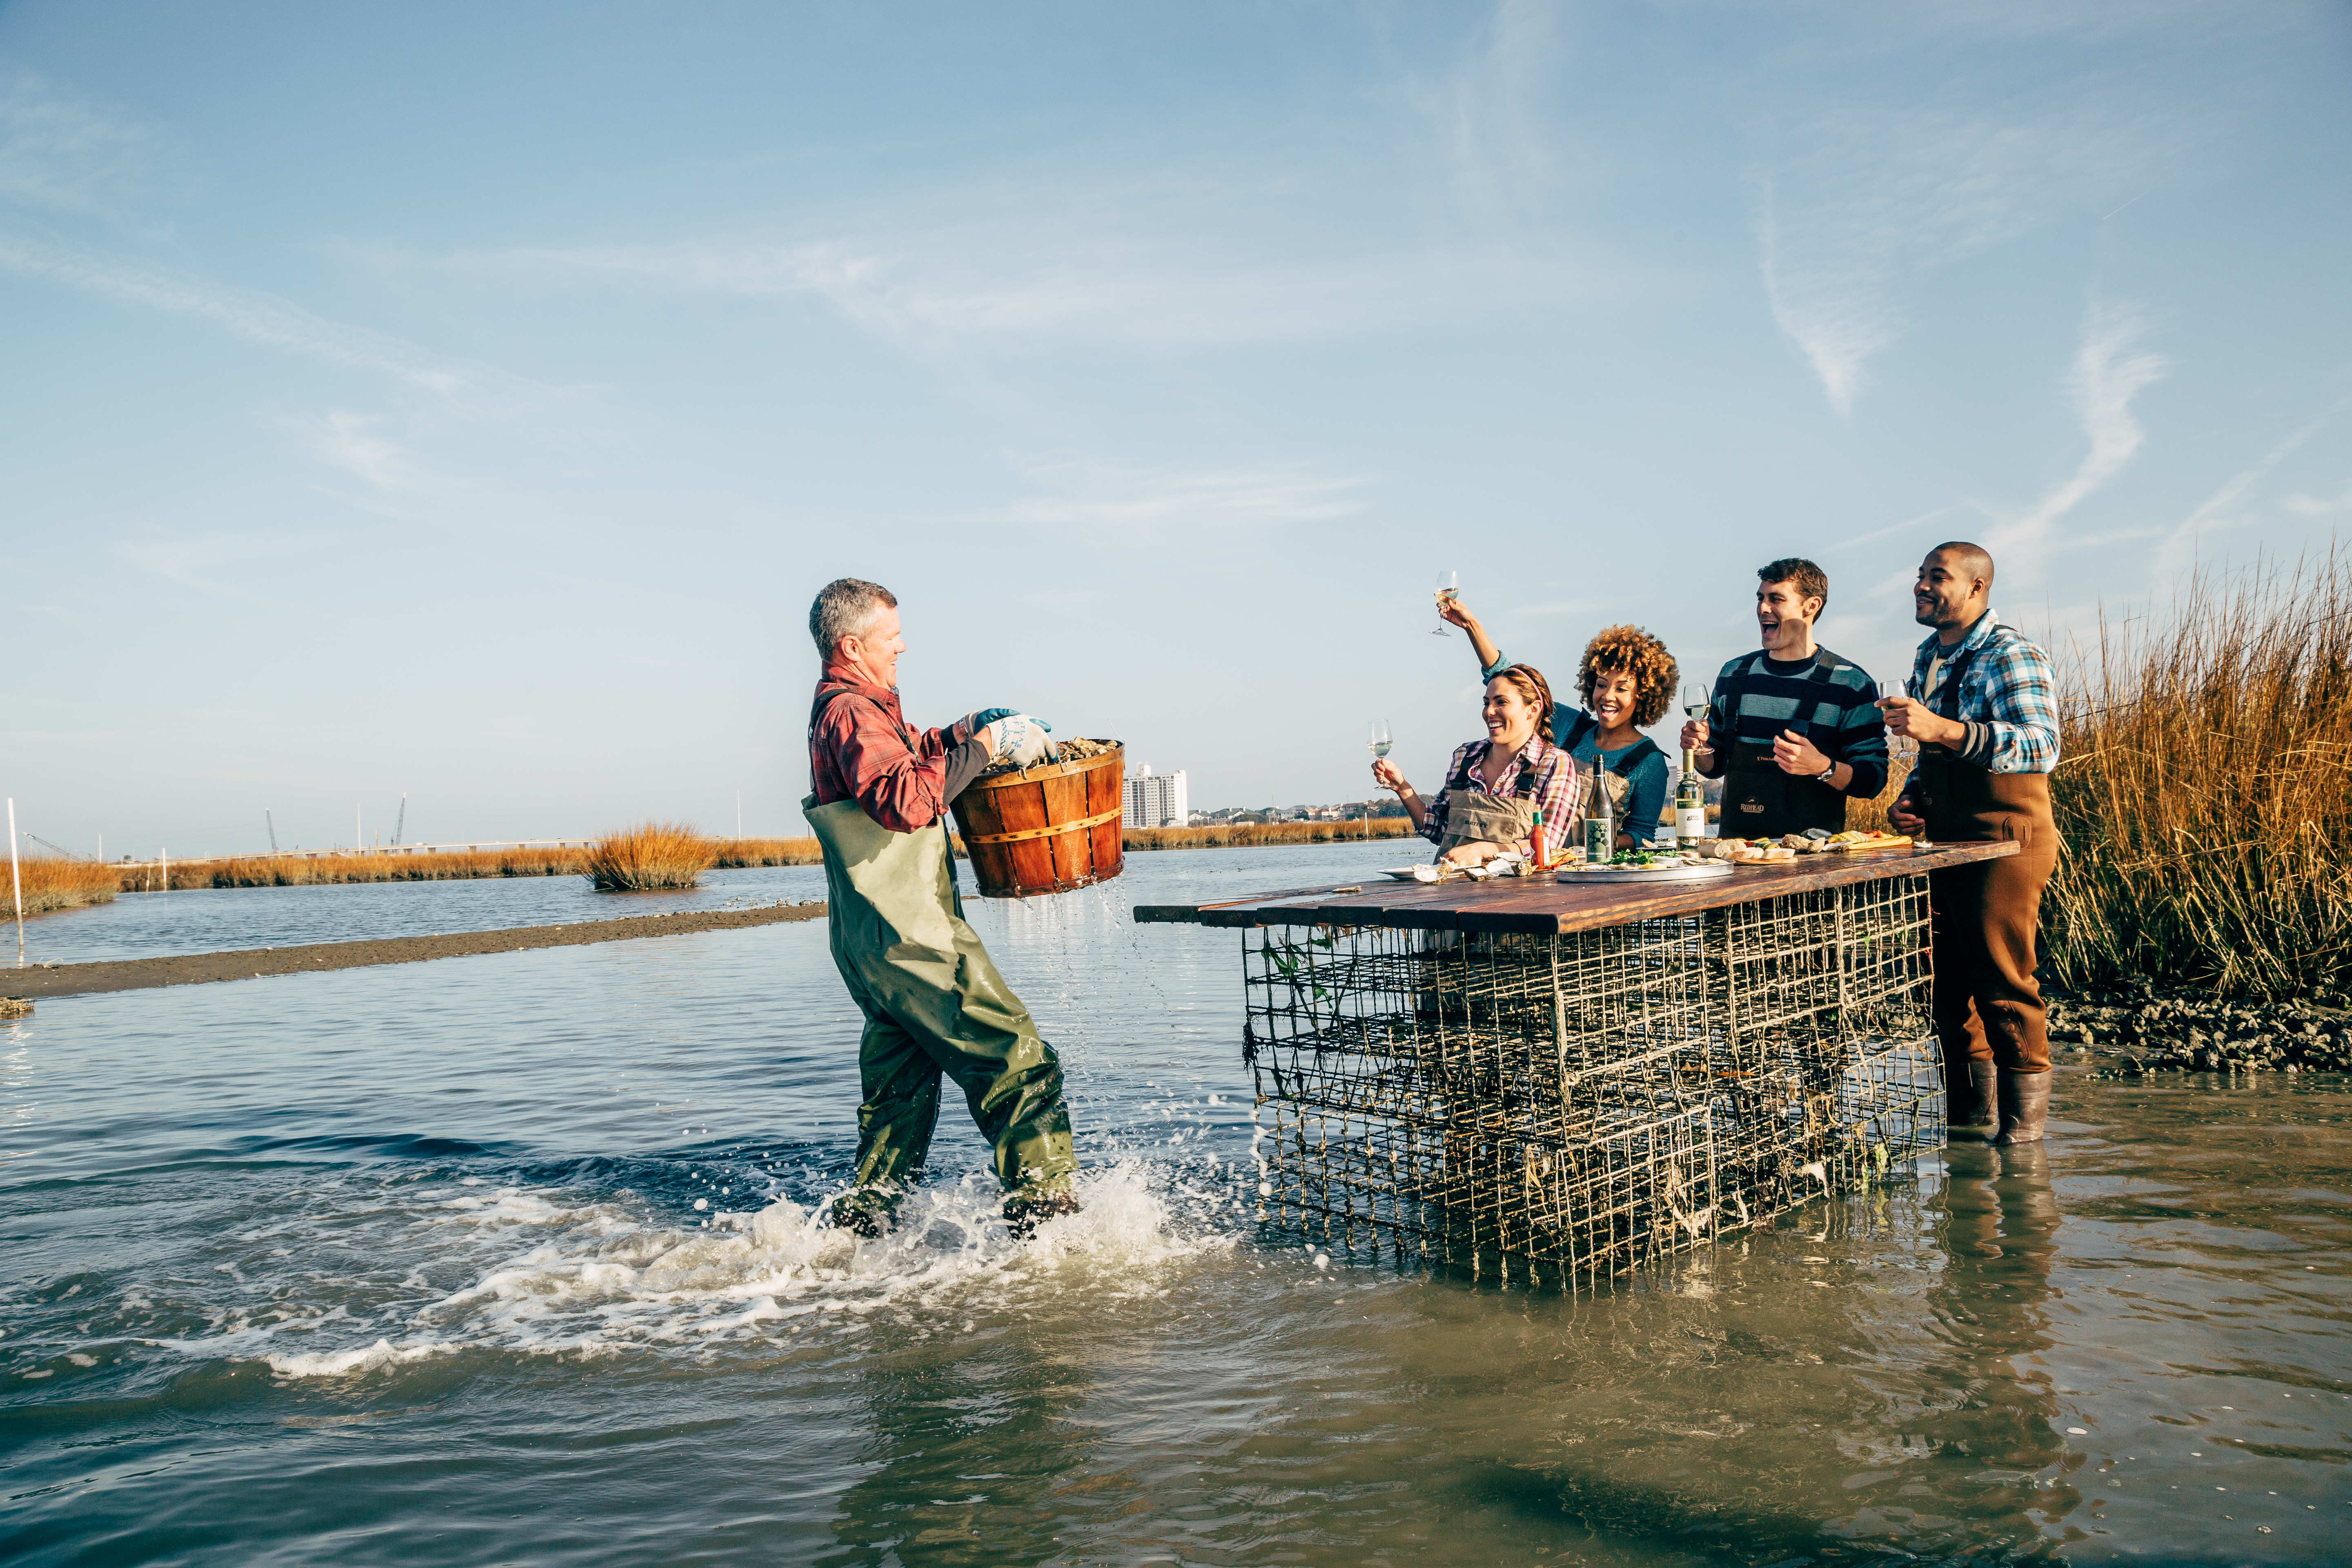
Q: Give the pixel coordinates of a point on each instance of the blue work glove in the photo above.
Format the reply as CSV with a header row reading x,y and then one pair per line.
x,y
971,724
1019,739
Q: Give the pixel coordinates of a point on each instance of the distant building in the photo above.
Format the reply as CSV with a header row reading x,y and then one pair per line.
x,y
1156,800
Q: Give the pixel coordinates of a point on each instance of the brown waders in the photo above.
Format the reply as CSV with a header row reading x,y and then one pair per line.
x,y
1983,919
934,1004
1760,801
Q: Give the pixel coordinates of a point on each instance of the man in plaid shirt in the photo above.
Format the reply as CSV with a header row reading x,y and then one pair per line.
x,y
1980,705
934,1004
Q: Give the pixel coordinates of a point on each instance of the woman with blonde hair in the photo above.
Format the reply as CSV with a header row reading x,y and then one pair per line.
x,y
1494,787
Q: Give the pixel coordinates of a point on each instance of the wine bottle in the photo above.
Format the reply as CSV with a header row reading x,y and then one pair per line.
x,y
1690,806
1600,826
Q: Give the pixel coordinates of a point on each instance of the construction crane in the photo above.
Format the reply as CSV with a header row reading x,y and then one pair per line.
x,y
69,853
265,822
402,821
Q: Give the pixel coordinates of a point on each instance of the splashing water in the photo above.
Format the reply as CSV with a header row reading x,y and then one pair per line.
x,y
596,1277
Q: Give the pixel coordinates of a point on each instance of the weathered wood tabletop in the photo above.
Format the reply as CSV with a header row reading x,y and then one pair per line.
x,y
1545,908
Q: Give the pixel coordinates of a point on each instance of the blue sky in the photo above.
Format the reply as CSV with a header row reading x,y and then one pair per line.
x,y
467,401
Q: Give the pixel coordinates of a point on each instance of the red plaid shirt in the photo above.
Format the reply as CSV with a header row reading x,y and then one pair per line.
x,y
861,748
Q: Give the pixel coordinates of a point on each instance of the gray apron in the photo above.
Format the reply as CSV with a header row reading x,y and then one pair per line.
x,y
1472,815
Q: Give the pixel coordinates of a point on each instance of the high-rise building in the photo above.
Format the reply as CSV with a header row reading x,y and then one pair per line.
x,y
1156,800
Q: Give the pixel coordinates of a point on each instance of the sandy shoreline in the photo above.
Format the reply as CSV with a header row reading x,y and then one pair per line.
x,y
252,963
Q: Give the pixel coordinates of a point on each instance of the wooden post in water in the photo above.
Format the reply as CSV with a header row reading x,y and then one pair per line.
x,y
15,881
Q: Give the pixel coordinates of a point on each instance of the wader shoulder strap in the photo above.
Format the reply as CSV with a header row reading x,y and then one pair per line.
x,y
1469,776
1572,725
1636,756
1948,691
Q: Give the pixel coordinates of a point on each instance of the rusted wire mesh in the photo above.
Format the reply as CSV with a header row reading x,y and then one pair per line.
x,y
1559,1108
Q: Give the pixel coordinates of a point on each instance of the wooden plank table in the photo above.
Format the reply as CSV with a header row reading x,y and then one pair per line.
x,y
1550,909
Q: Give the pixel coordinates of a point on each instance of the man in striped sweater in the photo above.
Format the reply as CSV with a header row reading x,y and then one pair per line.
x,y
1793,730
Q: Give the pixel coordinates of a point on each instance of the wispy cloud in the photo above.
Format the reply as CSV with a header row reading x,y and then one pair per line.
x,y
1869,199
986,285
2306,505
2109,371
1492,108
2223,508
249,313
1102,495
198,561
354,443
61,154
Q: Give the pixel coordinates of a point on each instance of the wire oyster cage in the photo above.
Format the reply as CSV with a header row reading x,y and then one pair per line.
x,y
1559,1108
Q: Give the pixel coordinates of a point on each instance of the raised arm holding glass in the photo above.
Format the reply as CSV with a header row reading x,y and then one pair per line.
x,y
1627,680
1494,787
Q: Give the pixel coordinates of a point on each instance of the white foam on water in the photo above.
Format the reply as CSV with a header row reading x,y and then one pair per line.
x,y
560,1274
344,1363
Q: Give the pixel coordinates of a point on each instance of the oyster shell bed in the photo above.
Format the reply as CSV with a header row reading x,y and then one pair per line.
x,y
2179,1032
1072,751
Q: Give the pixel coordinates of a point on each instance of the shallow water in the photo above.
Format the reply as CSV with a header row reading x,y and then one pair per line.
x,y
407,1264
213,919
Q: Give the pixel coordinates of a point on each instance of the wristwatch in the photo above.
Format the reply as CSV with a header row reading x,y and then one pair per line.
x,y
1823,777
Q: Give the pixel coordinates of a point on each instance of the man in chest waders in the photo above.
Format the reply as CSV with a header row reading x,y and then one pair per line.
x,y
1980,705
1793,730
933,1001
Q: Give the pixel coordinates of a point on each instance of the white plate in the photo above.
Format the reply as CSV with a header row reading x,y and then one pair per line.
x,y
1703,871
1400,873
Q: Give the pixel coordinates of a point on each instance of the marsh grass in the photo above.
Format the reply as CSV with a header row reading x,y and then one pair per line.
x,y
1870,815
305,871
648,857
2204,790
1259,834
53,882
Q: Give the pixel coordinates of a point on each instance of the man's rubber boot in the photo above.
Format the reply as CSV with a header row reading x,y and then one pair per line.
x,y
1024,1212
871,1218
1972,1119
2024,1106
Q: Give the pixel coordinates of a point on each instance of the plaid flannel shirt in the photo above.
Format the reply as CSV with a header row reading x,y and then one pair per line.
x,y
863,749
1998,684
1554,790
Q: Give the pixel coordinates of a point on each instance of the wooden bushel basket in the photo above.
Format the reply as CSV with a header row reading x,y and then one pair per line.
x,y
1046,829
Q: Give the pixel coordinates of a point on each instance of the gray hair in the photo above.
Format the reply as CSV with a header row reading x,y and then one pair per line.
x,y
846,607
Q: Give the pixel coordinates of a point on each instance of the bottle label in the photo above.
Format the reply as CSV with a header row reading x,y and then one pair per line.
x,y
1690,822
1598,844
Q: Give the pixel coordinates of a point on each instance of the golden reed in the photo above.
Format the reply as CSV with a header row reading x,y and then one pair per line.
x,y
53,882
650,857
2204,789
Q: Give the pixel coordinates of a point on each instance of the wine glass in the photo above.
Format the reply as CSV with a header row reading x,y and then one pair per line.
x,y
1380,742
1898,746
1448,583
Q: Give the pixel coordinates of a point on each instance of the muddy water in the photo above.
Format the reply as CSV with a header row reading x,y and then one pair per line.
x,y
509,1259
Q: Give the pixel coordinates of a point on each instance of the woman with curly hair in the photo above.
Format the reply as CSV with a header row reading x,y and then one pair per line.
x,y
1627,678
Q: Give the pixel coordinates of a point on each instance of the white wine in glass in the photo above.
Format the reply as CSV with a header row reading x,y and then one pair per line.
x,y
1448,584
1380,742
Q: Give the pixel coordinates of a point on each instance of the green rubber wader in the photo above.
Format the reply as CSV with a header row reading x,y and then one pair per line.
x,y
934,1004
